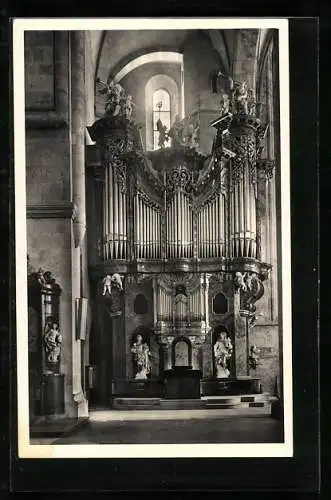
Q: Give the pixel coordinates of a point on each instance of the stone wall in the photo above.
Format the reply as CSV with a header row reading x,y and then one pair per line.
x,y
265,337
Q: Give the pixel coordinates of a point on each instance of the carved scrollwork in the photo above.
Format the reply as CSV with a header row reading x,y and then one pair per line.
x,y
180,178
251,289
171,281
244,148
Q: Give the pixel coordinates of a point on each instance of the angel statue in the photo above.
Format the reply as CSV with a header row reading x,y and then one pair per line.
x,y
241,97
41,277
163,136
117,281
251,102
109,281
141,358
222,352
115,93
106,284
239,281
52,341
225,104
192,133
127,106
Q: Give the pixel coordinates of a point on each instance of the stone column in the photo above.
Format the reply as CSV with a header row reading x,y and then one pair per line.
x,y
77,41
240,338
78,134
264,173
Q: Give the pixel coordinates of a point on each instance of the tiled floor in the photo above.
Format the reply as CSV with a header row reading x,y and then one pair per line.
x,y
176,427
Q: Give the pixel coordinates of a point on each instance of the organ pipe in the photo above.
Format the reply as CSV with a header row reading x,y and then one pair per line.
x,y
243,218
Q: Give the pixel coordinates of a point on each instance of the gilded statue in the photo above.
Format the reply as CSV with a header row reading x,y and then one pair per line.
x,y
141,358
222,353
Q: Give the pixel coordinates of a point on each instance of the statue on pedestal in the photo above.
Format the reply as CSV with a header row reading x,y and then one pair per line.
x,y
52,341
222,351
141,358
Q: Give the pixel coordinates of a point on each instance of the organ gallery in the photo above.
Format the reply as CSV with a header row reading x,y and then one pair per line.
x,y
182,231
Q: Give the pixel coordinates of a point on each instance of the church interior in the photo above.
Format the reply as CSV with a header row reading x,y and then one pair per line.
x,y
153,194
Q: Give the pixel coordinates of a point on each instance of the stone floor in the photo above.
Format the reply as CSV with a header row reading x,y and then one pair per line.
x,y
175,427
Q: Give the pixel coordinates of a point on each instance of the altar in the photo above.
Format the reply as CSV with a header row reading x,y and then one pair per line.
x,y
181,383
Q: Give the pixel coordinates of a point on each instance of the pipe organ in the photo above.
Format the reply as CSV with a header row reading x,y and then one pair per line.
x,y
147,228
114,217
242,217
216,217
180,220
211,228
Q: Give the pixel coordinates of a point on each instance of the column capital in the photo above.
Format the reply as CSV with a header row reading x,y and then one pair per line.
x,y
265,169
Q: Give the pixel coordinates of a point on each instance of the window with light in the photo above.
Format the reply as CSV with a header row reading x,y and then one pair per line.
x,y
161,111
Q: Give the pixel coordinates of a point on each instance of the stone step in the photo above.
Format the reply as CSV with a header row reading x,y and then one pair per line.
x,y
212,402
136,403
178,404
252,398
259,404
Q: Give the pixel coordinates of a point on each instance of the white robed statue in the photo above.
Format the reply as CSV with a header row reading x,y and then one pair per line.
x,y
222,351
141,358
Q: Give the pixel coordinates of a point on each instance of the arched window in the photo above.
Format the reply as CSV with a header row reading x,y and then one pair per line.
x,y
140,305
162,101
220,304
161,111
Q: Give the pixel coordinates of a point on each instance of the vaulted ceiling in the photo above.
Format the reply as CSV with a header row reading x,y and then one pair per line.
x,y
117,48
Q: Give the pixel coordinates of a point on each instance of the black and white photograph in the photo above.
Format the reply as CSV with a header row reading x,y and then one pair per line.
x,y
153,265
